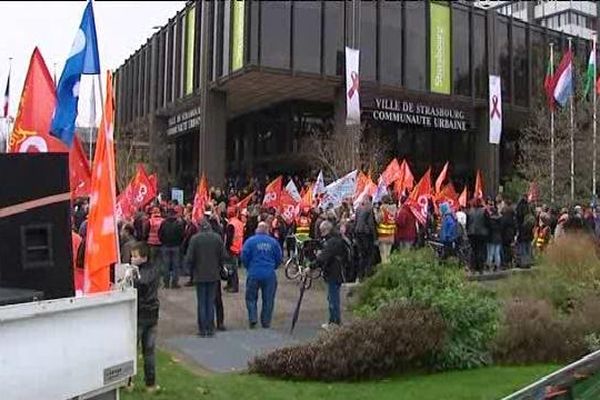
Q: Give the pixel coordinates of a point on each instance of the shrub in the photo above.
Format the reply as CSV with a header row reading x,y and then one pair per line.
x,y
399,337
470,313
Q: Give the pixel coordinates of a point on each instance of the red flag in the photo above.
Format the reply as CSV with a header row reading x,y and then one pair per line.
x,y
154,182
462,200
548,86
139,192
391,173
418,200
441,178
244,203
81,174
406,181
273,193
200,199
102,237
478,194
289,207
448,194
31,129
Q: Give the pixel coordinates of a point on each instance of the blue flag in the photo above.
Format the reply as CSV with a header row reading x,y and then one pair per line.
x,y
83,59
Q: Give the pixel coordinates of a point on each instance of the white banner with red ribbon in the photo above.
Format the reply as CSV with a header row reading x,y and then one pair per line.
x,y
495,109
352,87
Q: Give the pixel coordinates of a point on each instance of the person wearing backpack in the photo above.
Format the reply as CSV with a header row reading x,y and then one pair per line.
x,y
331,260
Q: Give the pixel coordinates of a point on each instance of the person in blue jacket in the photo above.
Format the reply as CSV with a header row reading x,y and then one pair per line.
x,y
449,230
261,255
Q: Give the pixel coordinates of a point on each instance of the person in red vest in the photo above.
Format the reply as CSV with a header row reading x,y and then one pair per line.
x,y
234,239
154,243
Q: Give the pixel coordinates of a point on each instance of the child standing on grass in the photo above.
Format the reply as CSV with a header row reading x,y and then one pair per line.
x,y
147,286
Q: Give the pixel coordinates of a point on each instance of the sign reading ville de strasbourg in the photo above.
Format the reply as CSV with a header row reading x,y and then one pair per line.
x,y
184,122
421,114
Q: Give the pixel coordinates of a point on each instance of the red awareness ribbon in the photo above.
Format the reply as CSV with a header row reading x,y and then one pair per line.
x,y
355,84
495,107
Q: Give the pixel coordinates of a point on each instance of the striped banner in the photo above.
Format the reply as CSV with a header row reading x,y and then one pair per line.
x,y
190,35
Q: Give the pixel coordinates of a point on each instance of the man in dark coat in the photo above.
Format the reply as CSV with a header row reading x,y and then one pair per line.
x,y
509,231
365,235
171,234
206,255
331,260
477,230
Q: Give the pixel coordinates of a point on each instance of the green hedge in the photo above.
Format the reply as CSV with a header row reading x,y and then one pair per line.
x,y
470,313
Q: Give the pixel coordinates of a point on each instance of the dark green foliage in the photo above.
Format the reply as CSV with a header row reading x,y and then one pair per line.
x,y
399,337
470,313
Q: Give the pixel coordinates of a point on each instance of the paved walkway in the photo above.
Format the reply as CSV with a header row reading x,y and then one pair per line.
x,y
231,350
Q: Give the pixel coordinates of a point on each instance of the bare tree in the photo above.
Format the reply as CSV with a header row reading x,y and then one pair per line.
x,y
534,148
334,152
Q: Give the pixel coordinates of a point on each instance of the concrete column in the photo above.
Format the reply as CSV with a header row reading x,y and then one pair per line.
x,y
159,151
487,156
212,137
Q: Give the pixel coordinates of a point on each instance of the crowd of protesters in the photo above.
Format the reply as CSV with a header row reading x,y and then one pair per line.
x,y
165,241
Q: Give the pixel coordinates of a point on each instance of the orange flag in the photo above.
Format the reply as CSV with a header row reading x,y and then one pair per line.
x,y
462,200
307,198
441,178
273,193
244,203
418,200
478,194
391,173
200,199
102,239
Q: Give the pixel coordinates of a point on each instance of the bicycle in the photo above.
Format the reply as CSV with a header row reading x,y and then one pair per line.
x,y
296,267
461,251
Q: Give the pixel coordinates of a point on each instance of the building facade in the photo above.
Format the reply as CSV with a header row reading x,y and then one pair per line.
x,y
579,18
234,87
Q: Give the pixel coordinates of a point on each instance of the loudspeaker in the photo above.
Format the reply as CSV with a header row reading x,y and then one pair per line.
x,y
35,215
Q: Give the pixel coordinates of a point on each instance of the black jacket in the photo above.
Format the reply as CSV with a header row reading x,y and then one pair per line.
x,y
365,221
206,255
147,287
509,226
476,222
172,232
141,227
495,229
331,258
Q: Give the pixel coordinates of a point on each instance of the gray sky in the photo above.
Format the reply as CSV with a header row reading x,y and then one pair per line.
x,y
122,27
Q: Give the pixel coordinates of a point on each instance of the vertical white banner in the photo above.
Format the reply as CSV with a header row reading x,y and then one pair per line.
x,y
495,109
352,87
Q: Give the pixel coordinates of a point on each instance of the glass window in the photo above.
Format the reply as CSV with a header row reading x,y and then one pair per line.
x,y
170,67
390,42
503,60
307,36
275,30
521,73
333,42
367,40
539,61
415,45
480,55
160,91
254,21
460,52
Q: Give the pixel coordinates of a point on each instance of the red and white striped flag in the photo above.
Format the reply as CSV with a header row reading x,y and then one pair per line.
x,y
6,96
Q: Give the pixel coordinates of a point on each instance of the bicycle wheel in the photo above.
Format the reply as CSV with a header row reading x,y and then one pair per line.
x,y
291,269
314,273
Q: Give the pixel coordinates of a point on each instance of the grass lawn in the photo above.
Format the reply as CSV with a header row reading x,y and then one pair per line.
x,y
179,383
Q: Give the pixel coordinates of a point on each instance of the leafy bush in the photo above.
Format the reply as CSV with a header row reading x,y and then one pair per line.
x,y
398,337
470,313
552,315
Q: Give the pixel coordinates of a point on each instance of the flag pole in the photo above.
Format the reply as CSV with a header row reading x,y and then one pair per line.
x,y
572,133
7,119
552,130
595,150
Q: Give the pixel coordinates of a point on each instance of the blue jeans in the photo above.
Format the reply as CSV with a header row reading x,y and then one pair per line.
x,y
171,262
333,298
206,293
493,255
268,287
